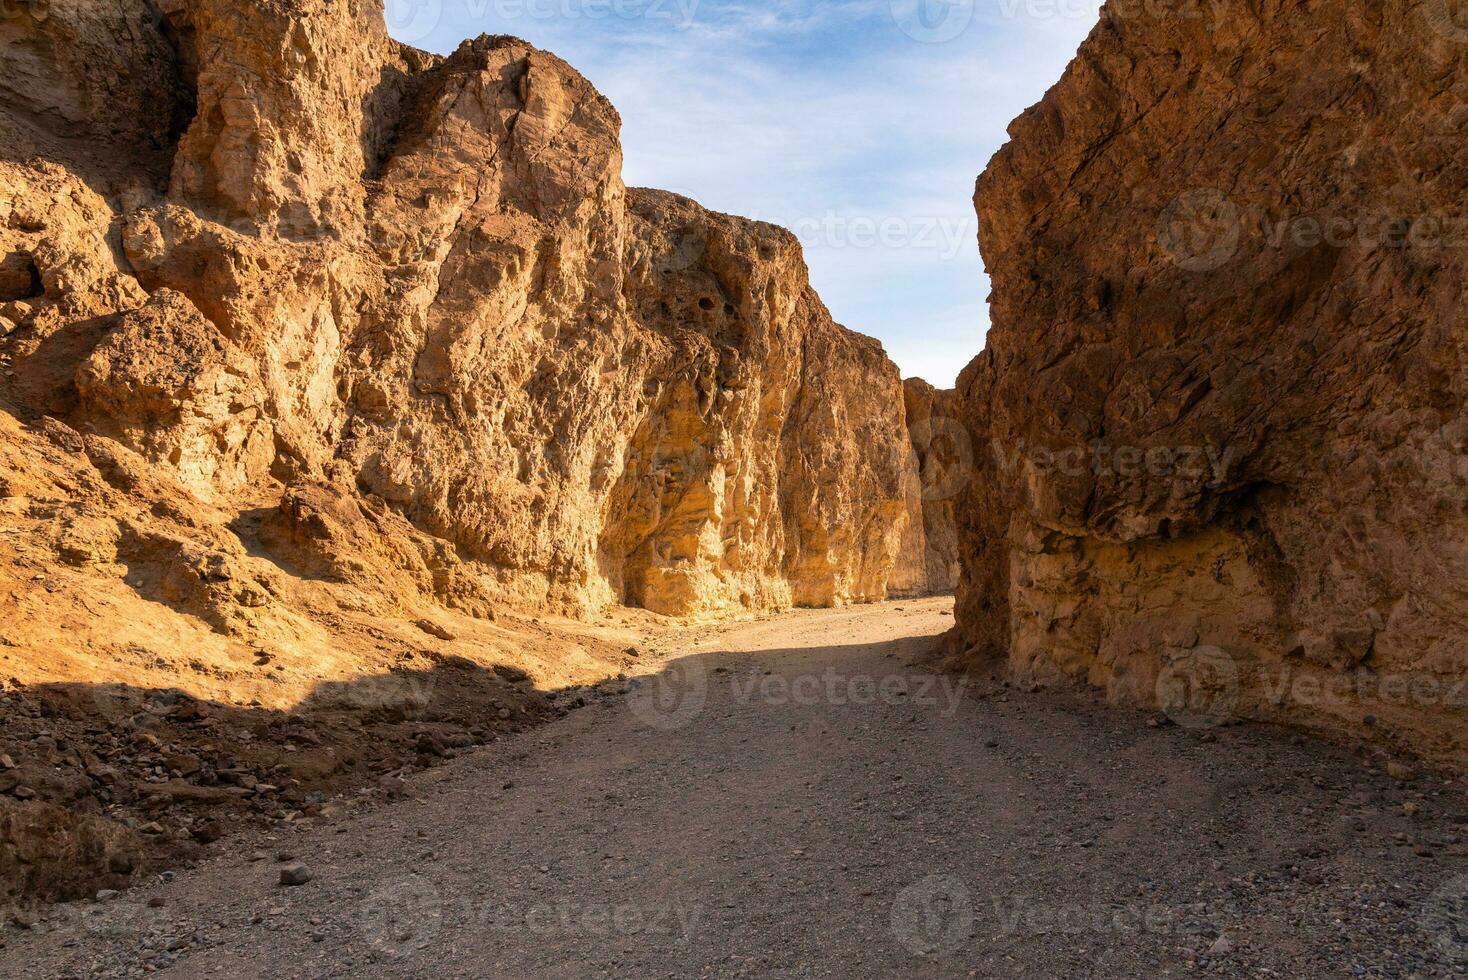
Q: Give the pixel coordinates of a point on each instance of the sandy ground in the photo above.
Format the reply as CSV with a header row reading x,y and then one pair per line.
x,y
800,797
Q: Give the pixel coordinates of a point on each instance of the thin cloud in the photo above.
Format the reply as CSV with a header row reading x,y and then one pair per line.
x,y
828,118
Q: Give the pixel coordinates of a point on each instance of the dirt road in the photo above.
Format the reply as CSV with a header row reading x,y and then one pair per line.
x,y
793,798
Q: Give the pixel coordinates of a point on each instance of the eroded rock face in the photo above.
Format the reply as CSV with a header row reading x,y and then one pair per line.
x,y
168,385
395,309
943,461
1221,410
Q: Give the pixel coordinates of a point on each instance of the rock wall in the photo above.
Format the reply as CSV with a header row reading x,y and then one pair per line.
x,y
303,270
1224,455
943,466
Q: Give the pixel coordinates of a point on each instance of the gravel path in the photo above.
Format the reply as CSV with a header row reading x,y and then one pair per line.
x,y
793,798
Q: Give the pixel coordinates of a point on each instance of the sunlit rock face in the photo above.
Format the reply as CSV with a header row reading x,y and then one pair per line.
x,y
943,466
1219,421
279,257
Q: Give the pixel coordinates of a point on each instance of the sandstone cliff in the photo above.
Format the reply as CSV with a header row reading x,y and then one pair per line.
x,y
943,466
1221,409
277,256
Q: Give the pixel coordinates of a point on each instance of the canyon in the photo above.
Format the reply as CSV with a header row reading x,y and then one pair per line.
x,y
347,384
356,417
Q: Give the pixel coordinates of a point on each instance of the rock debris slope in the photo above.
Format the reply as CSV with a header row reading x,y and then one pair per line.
x,y
1220,416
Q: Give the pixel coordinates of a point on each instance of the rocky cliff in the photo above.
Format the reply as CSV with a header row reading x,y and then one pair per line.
x,y
943,466
268,253
1223,452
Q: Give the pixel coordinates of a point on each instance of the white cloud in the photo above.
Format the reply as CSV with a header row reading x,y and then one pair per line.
x,y
826,114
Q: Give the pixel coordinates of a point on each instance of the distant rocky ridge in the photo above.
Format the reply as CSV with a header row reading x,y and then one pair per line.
x,y
1220,430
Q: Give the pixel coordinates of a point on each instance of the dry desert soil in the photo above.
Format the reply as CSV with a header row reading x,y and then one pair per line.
x,y
802,797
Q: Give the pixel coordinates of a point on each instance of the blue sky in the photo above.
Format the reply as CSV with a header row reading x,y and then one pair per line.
x,y
858,124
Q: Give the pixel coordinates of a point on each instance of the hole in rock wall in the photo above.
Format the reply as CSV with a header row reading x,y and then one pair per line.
x,y
179,34
19,278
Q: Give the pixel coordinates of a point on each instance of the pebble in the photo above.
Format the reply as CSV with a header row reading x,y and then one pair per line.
x,y
295,874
